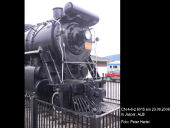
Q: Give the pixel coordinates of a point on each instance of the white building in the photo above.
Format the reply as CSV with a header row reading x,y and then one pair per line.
x,y
101,65
113,66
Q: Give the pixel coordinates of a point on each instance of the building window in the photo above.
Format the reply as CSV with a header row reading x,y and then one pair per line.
x,y
110,66
114,66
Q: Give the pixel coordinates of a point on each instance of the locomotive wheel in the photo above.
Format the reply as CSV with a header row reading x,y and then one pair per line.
x,y
43,90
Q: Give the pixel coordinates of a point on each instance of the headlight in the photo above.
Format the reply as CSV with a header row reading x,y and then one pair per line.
x,y
88,35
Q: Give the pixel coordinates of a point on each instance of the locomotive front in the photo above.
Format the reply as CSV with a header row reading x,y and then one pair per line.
x,y
57,60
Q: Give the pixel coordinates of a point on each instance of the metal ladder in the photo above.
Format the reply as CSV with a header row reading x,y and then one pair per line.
x,y
50,67
92,69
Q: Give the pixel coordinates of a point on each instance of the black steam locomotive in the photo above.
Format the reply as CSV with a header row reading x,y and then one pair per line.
x,y
57,60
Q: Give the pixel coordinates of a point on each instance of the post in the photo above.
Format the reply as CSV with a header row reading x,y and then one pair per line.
x,y
103,75
95,122
34,112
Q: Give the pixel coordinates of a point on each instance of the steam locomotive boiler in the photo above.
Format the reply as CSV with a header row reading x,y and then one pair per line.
x,y
57,60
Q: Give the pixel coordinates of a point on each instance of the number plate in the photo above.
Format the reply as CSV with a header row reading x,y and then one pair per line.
x,y
88,45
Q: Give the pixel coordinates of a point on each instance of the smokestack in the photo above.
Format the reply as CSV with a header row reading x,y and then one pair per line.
x,y
57,13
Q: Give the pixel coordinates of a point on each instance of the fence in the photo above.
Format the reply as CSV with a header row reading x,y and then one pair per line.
x,y
112,91
40,114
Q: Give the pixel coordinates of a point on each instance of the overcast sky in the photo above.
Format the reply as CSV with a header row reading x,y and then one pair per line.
x,y
108,28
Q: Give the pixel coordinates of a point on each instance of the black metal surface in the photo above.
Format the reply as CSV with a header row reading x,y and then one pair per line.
x,y
92,69
73,10
29,78
48,46
57,13
47,115
43,90
85,104
50,67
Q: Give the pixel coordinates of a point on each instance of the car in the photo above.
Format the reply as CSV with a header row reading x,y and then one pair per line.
x,y
113,75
